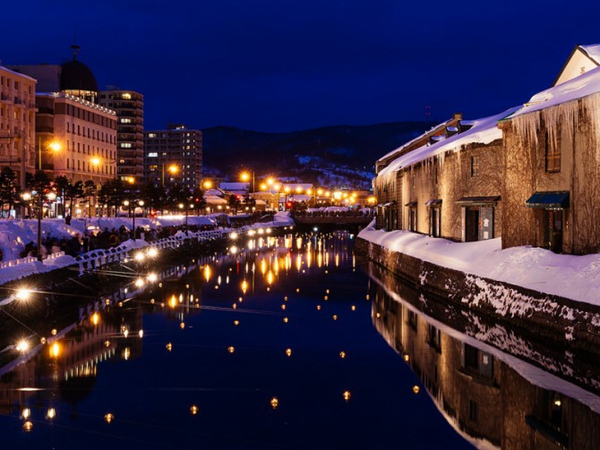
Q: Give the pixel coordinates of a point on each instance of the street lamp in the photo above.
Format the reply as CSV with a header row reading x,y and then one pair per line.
x,y
27,197
53,146
245,177
172,169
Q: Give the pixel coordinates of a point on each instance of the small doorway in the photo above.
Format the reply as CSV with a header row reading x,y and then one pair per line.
x,y
553,229
435,225
471,224
412,218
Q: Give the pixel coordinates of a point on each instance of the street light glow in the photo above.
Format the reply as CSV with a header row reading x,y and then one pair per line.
x,y
23,294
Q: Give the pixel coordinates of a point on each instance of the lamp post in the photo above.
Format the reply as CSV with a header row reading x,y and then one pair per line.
x,y
54,146
245,176
172,169
135,204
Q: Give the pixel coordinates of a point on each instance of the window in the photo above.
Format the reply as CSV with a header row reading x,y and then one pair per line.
x,y
412,319
126,145
434,338
126,96
474,166
125,120
552,155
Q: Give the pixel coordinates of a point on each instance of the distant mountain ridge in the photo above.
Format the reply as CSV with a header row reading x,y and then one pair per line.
x,y
318,155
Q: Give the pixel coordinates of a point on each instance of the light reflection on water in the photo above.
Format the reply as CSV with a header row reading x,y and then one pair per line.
x,y
269,346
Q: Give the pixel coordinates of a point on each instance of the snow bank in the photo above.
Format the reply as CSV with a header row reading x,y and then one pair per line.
x,y
569,276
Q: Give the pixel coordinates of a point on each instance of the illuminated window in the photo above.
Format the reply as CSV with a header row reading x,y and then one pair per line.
x,y
126,145
151,135
126,96
124,120
153,155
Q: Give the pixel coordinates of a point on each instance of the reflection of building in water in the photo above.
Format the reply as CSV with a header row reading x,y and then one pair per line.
x,y
11,385
483,396
65,369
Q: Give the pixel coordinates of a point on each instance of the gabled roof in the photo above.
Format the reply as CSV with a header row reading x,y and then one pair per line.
x,y
483,131
582,59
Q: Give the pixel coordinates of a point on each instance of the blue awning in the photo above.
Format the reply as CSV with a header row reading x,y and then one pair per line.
x,y
549,200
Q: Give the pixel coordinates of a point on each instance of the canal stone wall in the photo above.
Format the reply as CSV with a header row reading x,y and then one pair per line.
x,y
542,316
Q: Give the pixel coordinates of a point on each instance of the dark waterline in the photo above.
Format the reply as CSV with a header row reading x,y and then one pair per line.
x,y
241,352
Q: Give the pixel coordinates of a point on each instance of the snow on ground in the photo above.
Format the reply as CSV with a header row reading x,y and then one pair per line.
x,y
14,234
570,276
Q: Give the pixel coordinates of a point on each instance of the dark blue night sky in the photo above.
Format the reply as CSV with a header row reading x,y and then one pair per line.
x,y
285,65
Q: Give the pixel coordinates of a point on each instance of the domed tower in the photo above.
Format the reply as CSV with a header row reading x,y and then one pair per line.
x,y
77,79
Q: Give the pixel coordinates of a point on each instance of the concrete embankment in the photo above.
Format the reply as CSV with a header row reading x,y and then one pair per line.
x,y
538,315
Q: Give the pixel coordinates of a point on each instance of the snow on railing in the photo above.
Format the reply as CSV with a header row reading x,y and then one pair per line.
x,y
95,259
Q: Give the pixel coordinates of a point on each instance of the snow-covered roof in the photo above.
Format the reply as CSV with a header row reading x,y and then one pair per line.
x,y
215,200
213,192
593,51
483,131
579,87
441,126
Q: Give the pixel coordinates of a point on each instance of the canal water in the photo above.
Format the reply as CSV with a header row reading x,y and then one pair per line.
x,y
287,342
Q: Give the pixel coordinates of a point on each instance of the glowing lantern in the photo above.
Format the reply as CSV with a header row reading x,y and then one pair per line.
x,y
416,389
169,347
231,349
274,402
109,417
27,426
194,410
342,354
288,351
346,395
